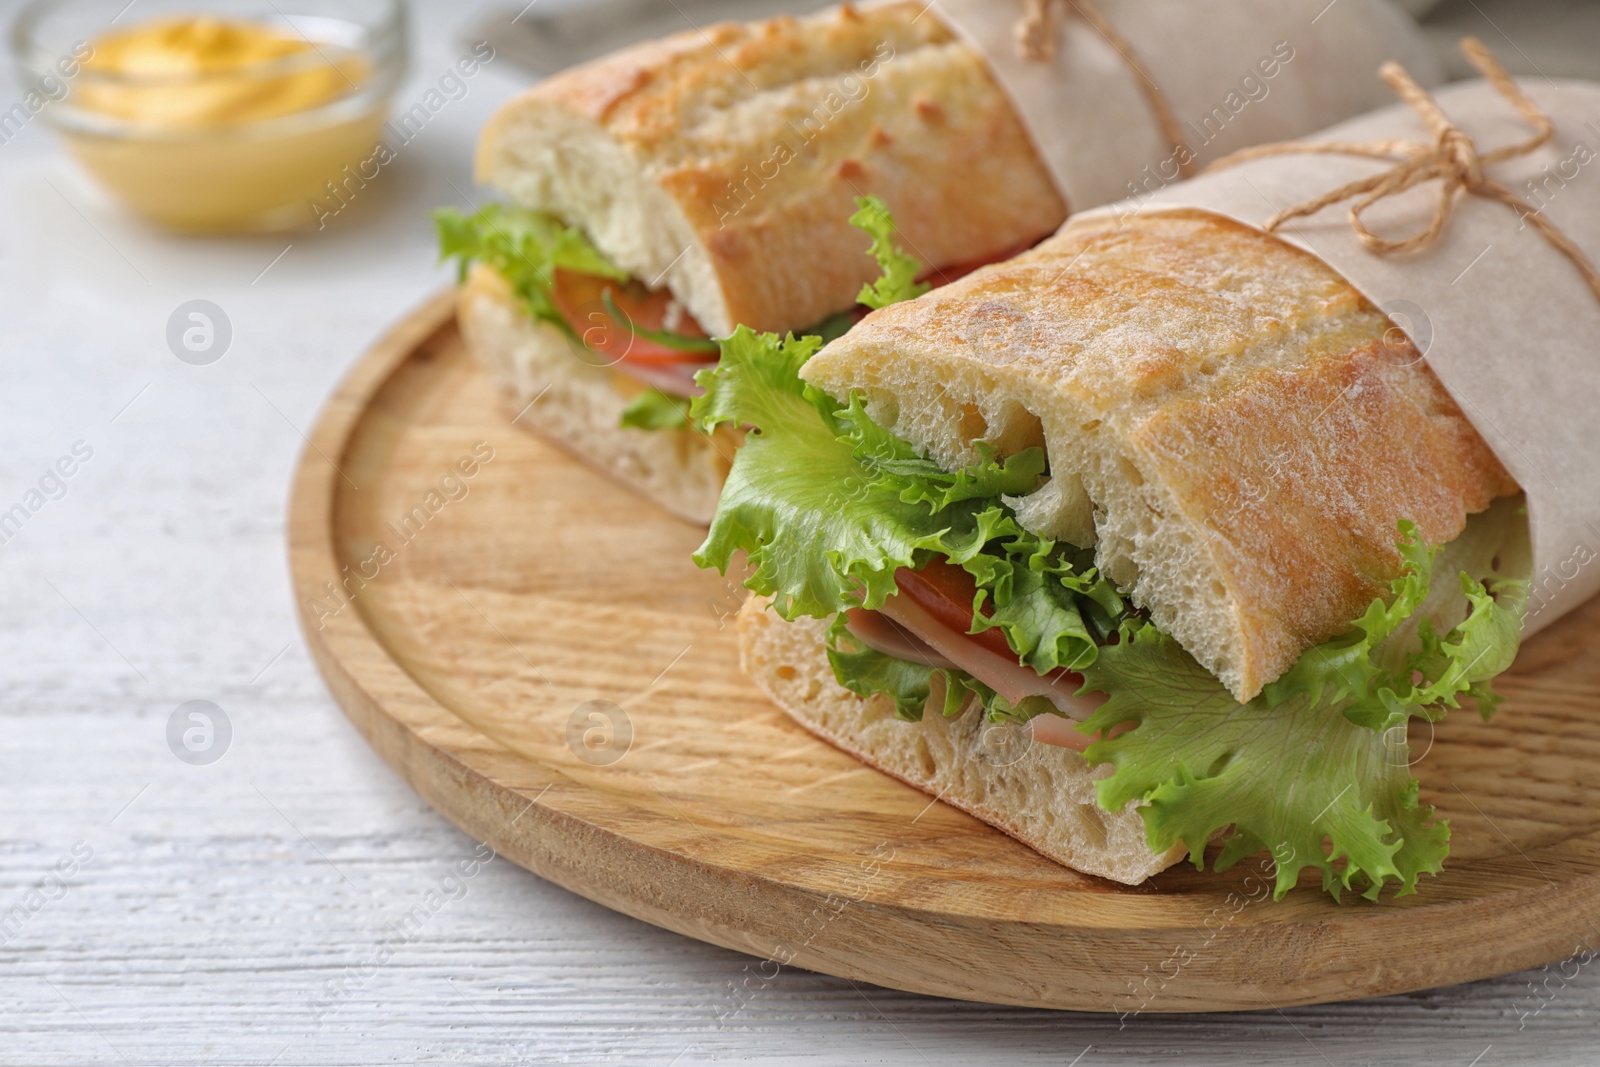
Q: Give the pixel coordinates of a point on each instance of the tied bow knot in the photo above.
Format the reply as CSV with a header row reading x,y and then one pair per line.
x,y
1452,159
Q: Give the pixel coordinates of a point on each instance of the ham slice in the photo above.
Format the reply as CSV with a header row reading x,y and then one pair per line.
x,y
906,630
879,632
1063,733
674,379
1013,680
882,634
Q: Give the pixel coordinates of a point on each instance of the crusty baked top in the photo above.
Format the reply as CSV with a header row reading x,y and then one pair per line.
x,y
763,134
1247,428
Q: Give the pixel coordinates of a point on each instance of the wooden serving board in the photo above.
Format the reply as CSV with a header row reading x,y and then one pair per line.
x,y
512,611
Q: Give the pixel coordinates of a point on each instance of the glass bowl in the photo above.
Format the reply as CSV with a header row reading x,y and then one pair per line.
x,y
248,147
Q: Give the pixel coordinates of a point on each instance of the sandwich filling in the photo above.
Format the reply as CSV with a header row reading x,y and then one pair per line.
x,y
644,334
943,603
564,281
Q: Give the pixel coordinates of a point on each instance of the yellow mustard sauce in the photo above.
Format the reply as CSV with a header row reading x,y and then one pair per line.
x,y
214,124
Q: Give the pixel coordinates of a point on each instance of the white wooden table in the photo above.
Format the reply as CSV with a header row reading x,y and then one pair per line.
x,y
209,906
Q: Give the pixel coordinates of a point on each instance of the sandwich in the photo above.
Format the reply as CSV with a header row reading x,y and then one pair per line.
x,y
667,193
1148,542
657,198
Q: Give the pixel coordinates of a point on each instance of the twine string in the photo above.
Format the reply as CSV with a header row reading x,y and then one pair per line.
x,y
1451,158
1036,40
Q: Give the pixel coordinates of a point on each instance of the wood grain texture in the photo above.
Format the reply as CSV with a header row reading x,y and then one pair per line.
x,y
497,616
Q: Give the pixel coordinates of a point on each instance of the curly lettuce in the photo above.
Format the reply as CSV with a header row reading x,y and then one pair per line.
x,y
827,506
1297,778
909,686
524,247
900,269
1380,683
652,409
1315,768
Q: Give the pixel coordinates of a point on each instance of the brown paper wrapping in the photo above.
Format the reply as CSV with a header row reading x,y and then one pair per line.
x,y
1094,127
1504,319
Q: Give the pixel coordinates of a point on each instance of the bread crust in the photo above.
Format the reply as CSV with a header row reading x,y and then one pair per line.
x,y
1042,795
552,389
728,160
1231,423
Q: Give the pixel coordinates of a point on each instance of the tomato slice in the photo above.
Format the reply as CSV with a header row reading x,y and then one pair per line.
x,y
945,591
581,300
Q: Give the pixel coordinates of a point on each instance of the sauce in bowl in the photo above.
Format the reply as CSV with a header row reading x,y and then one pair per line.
x,y
202,71
213,122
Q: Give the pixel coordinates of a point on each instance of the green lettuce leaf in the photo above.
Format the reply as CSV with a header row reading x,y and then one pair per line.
x,y
1380,683
900,269
820,528
1286,778
654,410
827,506
867,673
525,247
1319,756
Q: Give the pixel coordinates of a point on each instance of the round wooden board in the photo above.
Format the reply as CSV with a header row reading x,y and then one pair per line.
x,y
503,603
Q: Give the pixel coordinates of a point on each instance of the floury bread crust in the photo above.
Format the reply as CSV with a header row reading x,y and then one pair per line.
x,y
1224,421
555,389
1042,795
725,163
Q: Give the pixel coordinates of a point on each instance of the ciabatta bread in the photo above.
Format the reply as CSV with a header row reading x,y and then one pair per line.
x,y
556,388
1043,795
1230,423
724,163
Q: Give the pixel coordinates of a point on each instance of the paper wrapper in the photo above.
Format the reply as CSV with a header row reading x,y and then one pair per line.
x,y
1093,126
1504,319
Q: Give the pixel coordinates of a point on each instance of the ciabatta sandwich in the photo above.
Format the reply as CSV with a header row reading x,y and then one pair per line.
x,y
1125,545
707,179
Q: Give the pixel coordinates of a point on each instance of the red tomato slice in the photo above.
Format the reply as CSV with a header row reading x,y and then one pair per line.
x,y
580,299
945,591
